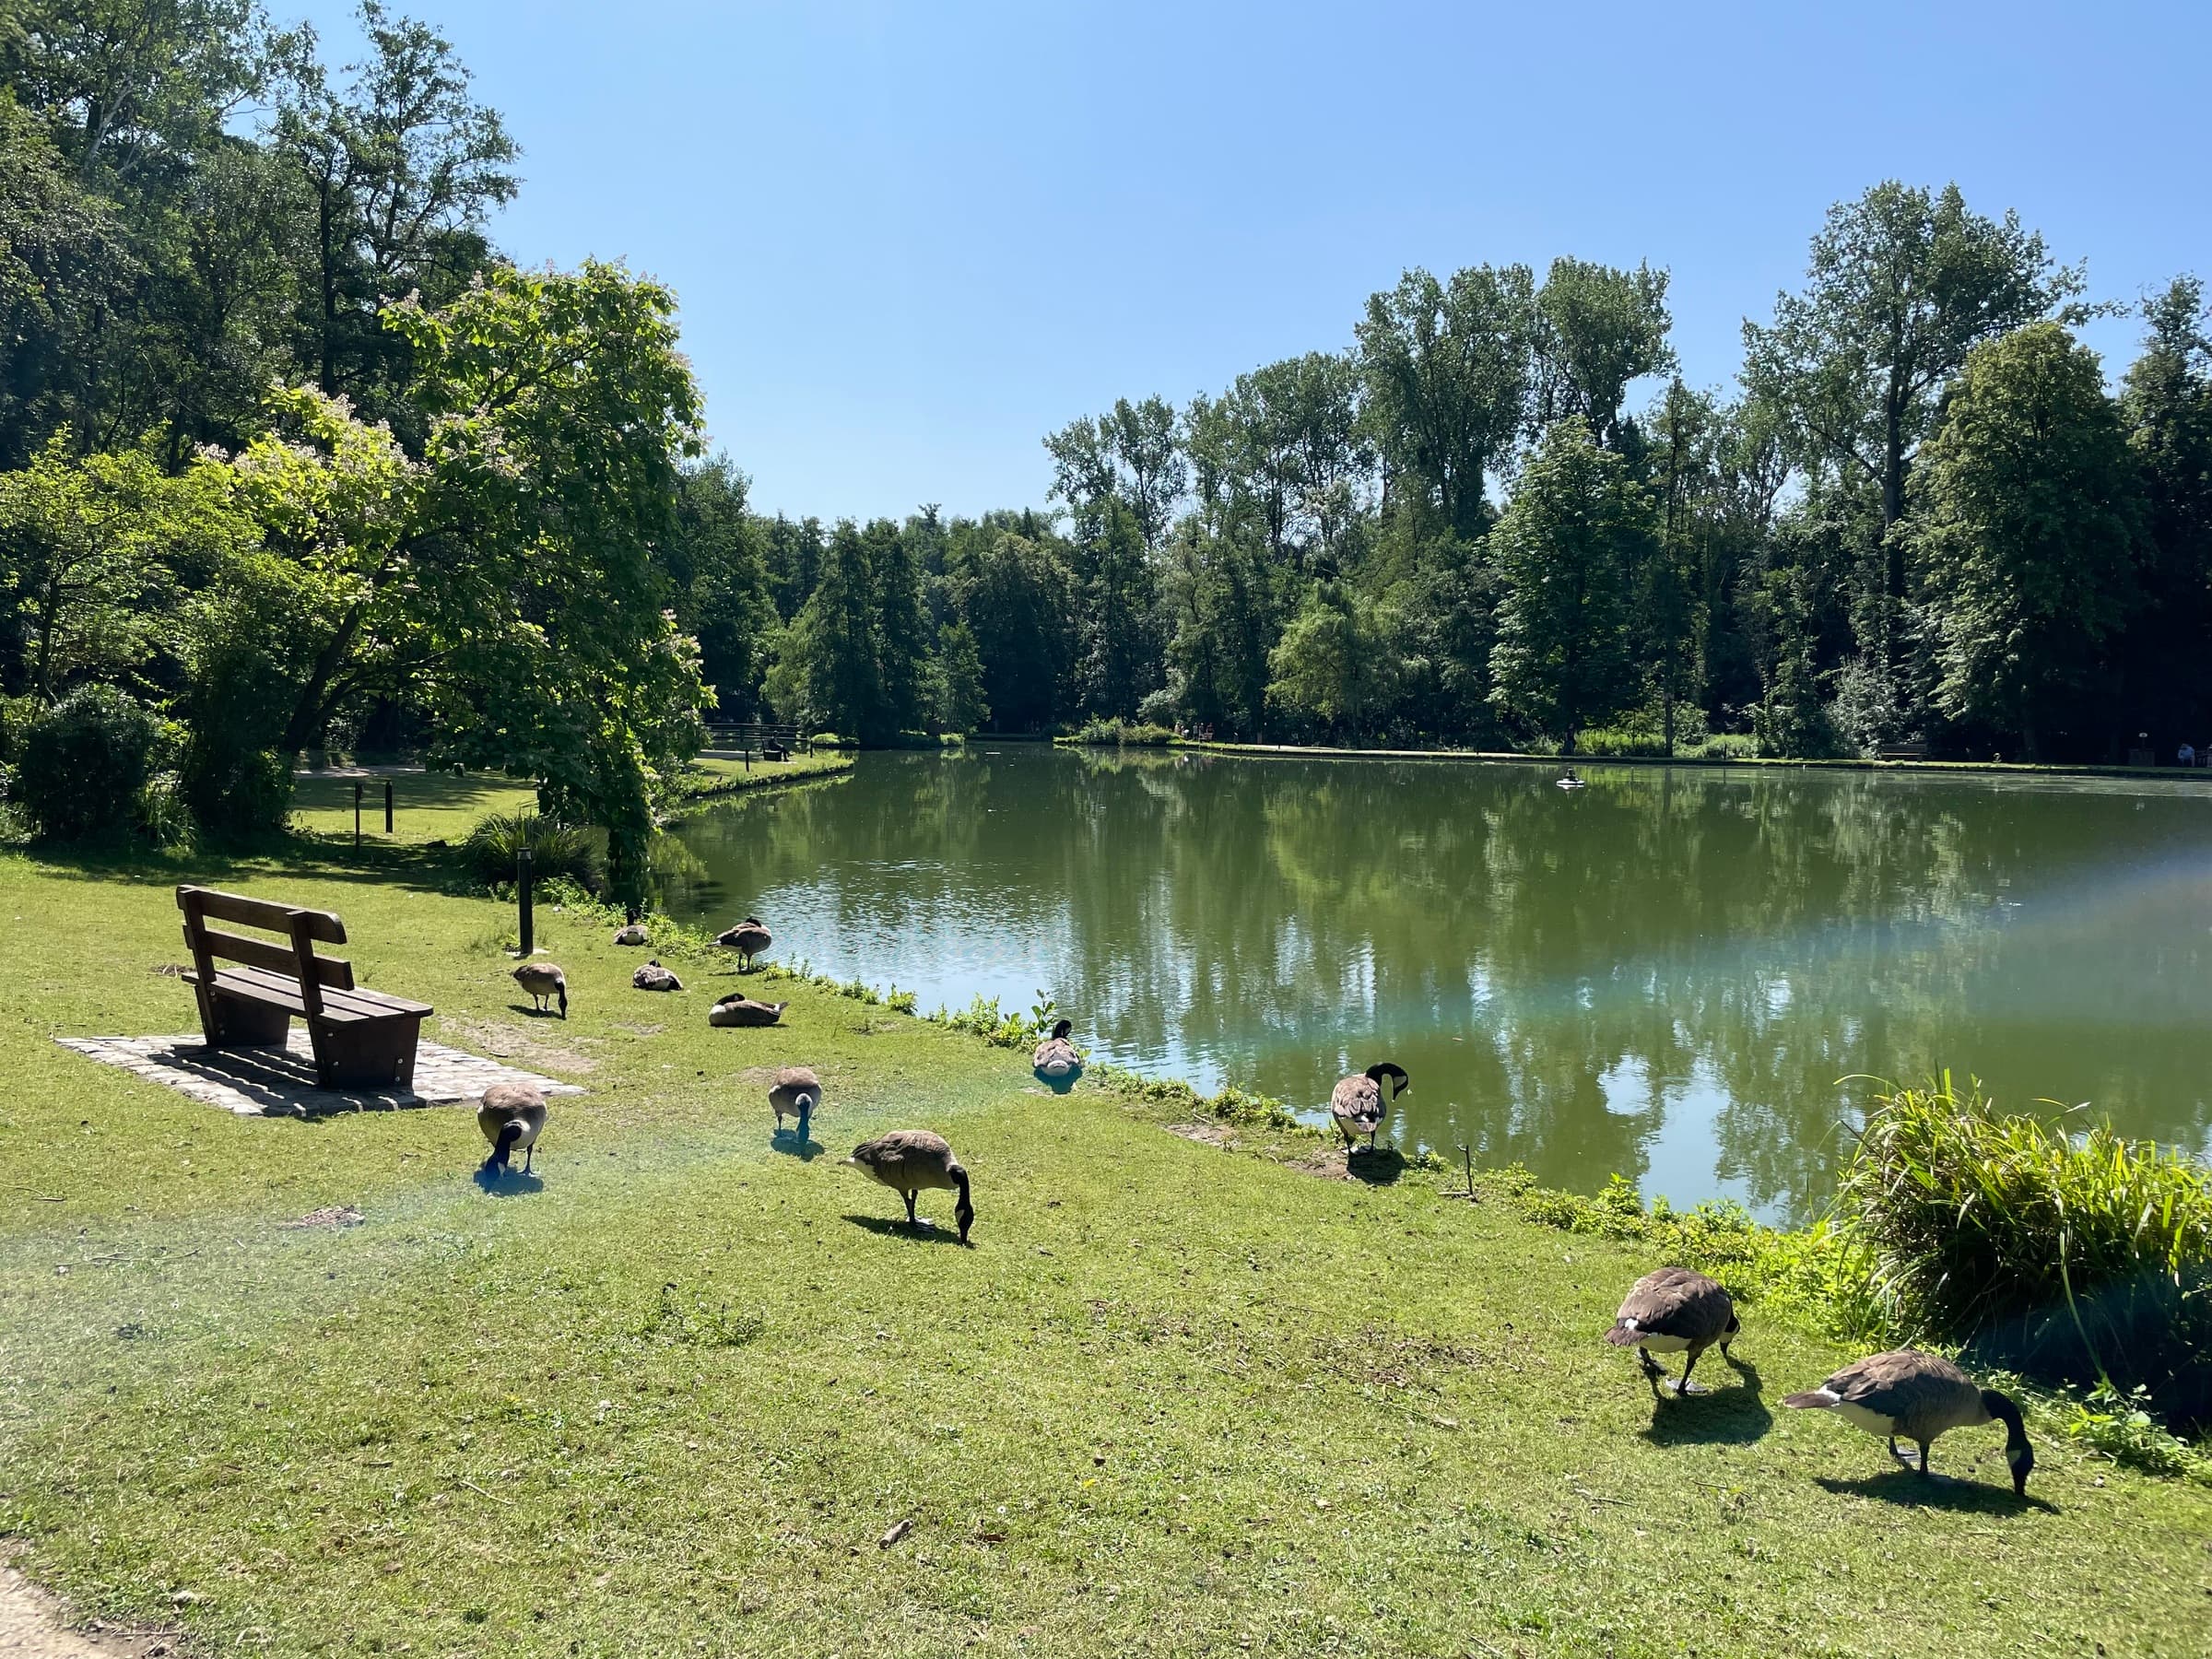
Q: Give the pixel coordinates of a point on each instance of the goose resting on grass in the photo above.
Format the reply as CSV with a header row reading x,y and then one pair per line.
x,y
1677,1311
908,1160
652,976
1054,1060
1919,1397
737,1009
544,980
1358,1104
513,1116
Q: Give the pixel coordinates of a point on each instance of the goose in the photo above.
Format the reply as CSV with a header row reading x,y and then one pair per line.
x,y
652,976
544,980
798,1092
634,934
1677,1311
1919,1397
737,1009
907,1160
1055,1060
1358,1104
748,939
512,1115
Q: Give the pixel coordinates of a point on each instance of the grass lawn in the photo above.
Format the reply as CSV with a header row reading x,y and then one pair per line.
x,y
1174,1400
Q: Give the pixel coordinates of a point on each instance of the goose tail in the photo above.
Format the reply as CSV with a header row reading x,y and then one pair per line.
x,y
1624,1334
1812,1399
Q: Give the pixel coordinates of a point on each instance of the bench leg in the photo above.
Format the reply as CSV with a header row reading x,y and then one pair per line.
x,y
364,1055
240,1024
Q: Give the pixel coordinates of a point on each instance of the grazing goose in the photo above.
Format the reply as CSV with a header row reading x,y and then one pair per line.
x,y
545,982
1677,1311
1357,1103
652,976
1055,1060
513,1116
748,939
737,1009
796,1091
1919,1397
634,934
907,1160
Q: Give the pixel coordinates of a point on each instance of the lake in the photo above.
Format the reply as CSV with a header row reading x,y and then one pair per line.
x,y
1680,974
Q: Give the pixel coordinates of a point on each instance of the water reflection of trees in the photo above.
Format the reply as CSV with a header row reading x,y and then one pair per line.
x,y
1565,974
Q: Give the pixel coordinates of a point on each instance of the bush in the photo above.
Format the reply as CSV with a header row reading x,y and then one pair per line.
x,y
1124,734
2084,1260
494,848
85,762
236,791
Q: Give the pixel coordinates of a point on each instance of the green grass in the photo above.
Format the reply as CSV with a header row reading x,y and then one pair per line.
x,y
1176,1400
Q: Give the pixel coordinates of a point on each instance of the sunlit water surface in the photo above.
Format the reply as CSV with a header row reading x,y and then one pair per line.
x,y
1682,975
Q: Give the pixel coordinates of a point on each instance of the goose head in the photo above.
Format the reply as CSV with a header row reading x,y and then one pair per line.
x,y
1063,1027
1399,1081
2019,1455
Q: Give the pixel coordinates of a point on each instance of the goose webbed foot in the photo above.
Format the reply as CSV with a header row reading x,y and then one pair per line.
x,y
1904,1458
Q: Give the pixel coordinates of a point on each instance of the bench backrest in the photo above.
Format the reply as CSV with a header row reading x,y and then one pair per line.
x,y
299,929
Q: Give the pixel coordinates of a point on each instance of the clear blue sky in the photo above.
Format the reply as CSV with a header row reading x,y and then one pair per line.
x,y
910,239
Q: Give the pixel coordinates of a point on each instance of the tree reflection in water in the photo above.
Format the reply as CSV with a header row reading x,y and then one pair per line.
x,y
1664,974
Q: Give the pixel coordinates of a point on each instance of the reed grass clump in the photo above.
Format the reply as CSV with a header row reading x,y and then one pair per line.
x,y
494,846
2078,1257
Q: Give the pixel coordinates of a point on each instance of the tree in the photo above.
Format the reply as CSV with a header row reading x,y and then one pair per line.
x,y
1285,441
1337,663
1446,368
715,560
962,704
2029,523
834,641
1597,330
902,631
2168,406
1122,659
1014,593
1567,549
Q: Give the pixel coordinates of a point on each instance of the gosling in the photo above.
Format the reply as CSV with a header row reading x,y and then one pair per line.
x,y
1919,1397
513,1116
545,982
908,1160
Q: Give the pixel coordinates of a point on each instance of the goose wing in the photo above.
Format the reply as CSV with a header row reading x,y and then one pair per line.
x,y
1921,1393
1357,1100
1675,1301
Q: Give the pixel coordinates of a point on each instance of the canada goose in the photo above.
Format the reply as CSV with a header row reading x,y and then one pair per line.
x,y
1358,1105
652,976
748,939
1054,1060
634,934
512,1115
544,980
1919,1397
907,1160
1677,1311
736,1010
798,1092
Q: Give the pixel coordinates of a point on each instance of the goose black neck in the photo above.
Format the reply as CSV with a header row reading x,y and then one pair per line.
x,y
2002,1409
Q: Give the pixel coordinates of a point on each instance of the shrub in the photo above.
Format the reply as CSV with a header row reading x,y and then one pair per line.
x,y
2071,1260
1124,734
234,790
494,848
85,762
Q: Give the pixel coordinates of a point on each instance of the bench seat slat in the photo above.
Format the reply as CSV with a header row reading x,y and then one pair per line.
x,y
322,926
340,1008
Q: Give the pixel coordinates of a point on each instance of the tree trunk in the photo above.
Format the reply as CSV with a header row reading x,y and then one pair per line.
x,y
309,711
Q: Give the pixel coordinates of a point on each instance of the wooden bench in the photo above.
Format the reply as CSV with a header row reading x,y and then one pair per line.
x,y
1915,750
361,1039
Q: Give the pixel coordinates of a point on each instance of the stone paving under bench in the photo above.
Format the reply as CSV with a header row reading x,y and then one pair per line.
x,y
281,1082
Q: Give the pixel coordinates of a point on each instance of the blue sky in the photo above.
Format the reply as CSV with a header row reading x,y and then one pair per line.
x,y
910,240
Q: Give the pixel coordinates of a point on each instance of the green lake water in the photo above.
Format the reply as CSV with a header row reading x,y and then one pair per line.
x,y
1678,974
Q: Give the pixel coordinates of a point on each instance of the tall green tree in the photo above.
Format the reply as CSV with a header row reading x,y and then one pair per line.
x,y
902,631
1597,330
2028,519
834,641
2168,405
1016,595
1567,550
1339,663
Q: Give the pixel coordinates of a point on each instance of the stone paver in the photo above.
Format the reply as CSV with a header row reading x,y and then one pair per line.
x,y
281,1082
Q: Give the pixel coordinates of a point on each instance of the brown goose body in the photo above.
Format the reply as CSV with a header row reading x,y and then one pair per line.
x,y
1674,1310
634,934
796,1092
545,983
1054,1060
914,1160
1358,1104
749,938
513,1116
743,1011
1919,1397
652,976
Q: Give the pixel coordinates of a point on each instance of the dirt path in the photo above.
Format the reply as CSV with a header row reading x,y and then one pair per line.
x,y
34,1625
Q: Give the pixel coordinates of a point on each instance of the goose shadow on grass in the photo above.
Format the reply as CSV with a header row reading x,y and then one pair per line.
x,y
787,1142
531,1011
507,1183
1726,1417
1907,1489
1380,1166
888,1228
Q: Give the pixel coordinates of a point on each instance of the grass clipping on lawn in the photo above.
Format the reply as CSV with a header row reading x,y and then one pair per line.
x,y
684,1397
